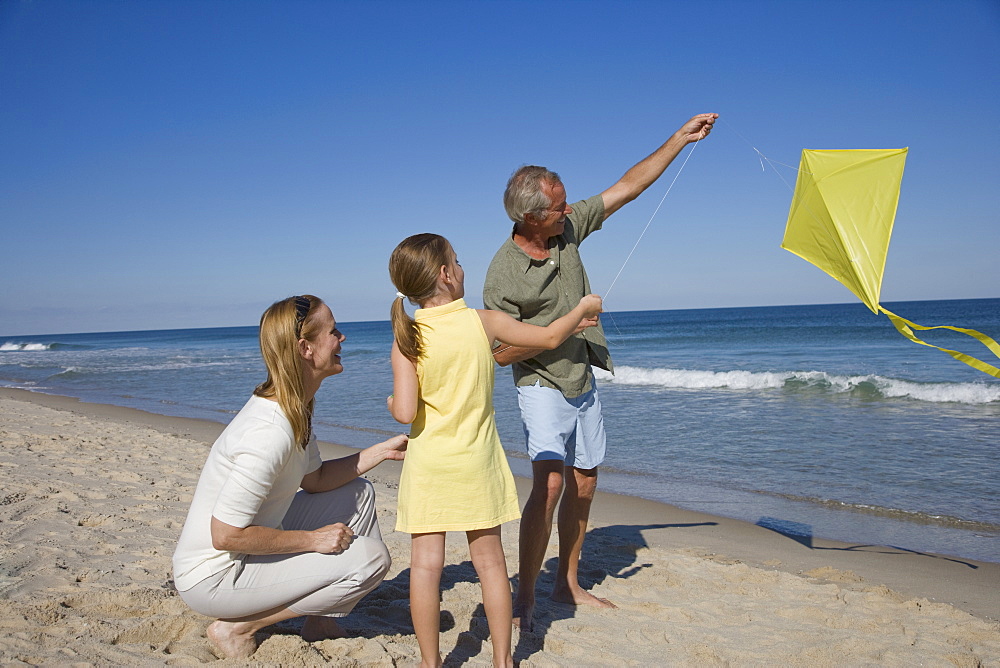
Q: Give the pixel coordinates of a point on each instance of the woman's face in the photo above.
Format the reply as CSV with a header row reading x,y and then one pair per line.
x,y
325,346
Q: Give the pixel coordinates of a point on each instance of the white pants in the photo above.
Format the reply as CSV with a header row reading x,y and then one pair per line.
x,y
308,583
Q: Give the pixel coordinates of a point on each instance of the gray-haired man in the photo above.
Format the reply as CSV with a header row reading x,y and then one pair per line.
x,y
536,277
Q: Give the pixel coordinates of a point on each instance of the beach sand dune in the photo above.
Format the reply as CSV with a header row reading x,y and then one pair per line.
x,y
93,499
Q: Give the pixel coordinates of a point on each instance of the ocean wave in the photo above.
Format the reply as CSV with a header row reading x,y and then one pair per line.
x,y
171,365
868,385
12,346
107,367
69,372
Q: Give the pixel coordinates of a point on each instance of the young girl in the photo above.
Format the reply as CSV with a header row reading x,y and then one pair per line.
x,y
455,475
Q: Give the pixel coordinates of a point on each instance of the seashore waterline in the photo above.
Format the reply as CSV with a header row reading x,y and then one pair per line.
x,y
812,421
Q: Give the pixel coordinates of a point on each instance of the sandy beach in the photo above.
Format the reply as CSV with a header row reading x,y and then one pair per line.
x,y
94,497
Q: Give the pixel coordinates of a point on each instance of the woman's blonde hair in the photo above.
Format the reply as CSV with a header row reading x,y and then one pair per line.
x,y
414,267
281,327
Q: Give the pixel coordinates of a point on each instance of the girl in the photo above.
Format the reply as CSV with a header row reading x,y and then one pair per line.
x,y
455,475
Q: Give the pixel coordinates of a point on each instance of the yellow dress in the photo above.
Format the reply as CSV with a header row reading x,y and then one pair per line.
x,y
455,474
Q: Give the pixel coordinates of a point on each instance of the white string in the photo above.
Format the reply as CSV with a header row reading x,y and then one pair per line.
x,y
690,153
760,156
763,158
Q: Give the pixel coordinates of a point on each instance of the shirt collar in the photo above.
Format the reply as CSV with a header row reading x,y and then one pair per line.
x,y
522,260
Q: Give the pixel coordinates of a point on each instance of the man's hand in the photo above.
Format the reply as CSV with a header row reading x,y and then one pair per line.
x,y
587,322
697,128
644,173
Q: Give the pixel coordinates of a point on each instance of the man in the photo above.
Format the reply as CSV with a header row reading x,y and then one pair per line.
x,y
537,276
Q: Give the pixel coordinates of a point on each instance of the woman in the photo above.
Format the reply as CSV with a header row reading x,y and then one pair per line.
x,y
254,550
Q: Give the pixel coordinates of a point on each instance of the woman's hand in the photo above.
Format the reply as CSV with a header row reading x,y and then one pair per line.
x,y
394,448
333,538
336,472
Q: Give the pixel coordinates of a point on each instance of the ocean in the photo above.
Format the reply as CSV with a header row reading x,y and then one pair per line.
x,y
813,421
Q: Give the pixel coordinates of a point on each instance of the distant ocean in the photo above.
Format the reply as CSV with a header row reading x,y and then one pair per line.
x,y
813,421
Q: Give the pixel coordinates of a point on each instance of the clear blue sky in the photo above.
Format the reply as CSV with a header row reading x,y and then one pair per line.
x,y
185,163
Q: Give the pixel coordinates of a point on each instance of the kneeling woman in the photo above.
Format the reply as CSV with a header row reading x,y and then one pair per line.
x,y
255,549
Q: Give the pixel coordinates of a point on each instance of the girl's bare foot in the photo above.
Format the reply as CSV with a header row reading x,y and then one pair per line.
x,y
317,627
227,639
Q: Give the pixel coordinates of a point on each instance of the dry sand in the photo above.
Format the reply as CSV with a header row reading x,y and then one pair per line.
x,y
93,498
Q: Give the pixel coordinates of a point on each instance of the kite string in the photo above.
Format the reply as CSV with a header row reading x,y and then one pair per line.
x,y
760,156
688,157
763,158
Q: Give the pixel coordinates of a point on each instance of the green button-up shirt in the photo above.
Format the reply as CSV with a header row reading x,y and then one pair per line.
x,y
540,291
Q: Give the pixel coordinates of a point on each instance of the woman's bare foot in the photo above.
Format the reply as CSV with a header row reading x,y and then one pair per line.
x,y
228,640
317,628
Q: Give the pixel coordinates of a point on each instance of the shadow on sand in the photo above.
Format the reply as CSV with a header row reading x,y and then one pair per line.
x,y
616,548
386,611
802,534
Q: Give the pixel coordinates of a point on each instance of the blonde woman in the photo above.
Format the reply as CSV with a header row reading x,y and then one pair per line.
x,y
255,548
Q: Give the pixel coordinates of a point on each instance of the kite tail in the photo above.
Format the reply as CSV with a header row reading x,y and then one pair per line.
x,y
906,328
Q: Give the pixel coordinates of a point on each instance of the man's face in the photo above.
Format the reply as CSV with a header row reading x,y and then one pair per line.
x,y
555,217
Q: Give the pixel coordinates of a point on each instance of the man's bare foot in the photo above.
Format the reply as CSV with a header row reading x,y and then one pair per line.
x,y
227,640
579,597
522,616
317,627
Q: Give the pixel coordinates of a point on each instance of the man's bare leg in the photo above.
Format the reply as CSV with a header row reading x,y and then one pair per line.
x,y
536,528
574,513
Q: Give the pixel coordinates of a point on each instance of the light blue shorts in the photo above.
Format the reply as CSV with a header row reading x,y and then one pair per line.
x,y
557,428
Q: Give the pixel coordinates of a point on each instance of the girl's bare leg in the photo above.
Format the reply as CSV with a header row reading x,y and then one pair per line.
x,y
486,551
426,563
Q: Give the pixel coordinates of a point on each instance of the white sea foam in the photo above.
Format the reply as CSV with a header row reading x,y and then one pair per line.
x,y
966,393
173,366
11,346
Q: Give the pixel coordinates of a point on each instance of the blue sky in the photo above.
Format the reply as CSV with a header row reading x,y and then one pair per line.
x,y
186,163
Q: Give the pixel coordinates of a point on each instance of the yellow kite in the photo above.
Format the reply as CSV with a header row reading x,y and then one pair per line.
x,y
841,219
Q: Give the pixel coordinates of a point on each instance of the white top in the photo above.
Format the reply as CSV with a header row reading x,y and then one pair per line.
x,y
252,473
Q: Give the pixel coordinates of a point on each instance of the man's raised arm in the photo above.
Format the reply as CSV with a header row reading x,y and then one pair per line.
x,y
645,173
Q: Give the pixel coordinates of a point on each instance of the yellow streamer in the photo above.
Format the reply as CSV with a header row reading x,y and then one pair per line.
x,y
905,327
